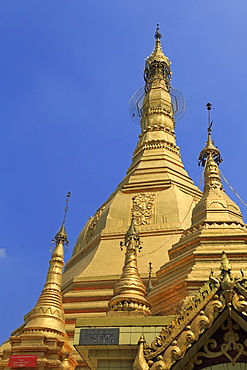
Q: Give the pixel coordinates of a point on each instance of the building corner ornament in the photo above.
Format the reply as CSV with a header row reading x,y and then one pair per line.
x,y
197,315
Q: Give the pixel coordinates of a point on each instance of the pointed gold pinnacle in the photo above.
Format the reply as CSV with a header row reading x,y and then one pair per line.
x,y
129,292
48,313
210,150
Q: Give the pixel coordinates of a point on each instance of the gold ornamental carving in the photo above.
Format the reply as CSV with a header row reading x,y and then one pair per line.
x,y
232,344
173,340
196,316
143,204
93,224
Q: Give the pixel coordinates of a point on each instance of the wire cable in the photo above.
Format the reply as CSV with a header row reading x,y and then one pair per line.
x,y
234,191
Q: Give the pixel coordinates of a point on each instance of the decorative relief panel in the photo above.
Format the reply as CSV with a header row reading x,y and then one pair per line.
x,y
93,224
143,205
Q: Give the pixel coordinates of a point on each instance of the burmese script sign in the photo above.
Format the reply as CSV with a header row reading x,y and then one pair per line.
x,y
23,361
100,336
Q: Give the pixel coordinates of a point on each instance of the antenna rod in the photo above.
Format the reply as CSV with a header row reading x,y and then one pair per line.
x,y
66,206
209,107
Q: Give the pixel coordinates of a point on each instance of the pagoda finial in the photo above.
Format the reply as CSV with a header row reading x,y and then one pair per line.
x,y
131,235
157,69
155,106
61,234
210,149
215,205
129,292
157,34
210,158
66,206
48,313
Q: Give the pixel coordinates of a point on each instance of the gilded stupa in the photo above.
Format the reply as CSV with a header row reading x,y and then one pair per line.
x,y
106,305
164,196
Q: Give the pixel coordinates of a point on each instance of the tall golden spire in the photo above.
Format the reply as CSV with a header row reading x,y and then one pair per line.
x,y
48,312
129,292
215,205
157,119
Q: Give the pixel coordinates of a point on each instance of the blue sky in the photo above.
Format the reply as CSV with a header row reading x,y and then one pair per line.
x,y
67,71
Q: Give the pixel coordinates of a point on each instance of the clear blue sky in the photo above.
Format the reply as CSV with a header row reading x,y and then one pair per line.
x,y
67,71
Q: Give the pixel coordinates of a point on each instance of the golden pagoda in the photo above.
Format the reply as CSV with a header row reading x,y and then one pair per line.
x,y
164,196
106,307
177,224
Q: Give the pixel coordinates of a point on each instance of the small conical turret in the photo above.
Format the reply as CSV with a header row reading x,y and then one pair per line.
x,y
210,158
215,205
48,312
129,292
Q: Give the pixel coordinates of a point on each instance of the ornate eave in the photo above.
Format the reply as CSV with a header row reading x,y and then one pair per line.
x,y
220,303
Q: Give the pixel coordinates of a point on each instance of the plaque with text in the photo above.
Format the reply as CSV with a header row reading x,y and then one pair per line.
x,y
99,336
23,361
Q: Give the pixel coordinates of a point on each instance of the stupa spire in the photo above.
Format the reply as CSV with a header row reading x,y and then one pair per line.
x,y
157,68
157,106
129,292
210,158
215,205
48,312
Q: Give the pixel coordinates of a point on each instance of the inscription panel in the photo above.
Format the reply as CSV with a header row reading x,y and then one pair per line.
x,y
99,336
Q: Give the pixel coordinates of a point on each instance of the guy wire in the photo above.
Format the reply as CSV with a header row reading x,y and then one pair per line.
x,y
234,191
